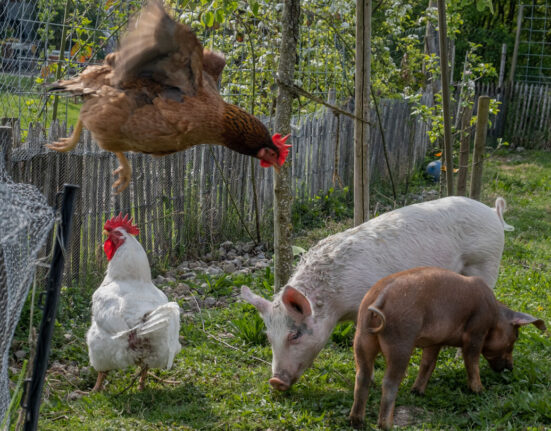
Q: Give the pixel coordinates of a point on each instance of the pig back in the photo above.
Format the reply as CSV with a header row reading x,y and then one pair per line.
x,y
455,233
433,305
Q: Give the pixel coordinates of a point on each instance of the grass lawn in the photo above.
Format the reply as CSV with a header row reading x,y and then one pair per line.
x,y
28,107
218,387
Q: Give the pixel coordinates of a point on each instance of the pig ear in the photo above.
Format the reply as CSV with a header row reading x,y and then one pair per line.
x,y
262,305
296,303
521,319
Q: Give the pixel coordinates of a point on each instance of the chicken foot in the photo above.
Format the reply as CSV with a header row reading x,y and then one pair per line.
x,y
124,171
98,387
67,144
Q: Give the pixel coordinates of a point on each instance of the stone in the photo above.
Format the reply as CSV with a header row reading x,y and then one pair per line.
x,y
210,302
20,354
226,245
208,257
214,270
188,275
228,267
261,264
247,247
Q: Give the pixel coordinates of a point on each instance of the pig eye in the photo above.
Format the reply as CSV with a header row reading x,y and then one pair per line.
x,y
294,336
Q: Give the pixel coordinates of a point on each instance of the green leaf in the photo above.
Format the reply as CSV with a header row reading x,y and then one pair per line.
x,y
208,19
255,8
220,16
481,5
297,251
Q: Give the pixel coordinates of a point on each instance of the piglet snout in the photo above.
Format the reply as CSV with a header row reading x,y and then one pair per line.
x,y
498,365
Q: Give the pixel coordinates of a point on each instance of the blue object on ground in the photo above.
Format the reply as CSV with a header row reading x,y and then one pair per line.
x,y
433,169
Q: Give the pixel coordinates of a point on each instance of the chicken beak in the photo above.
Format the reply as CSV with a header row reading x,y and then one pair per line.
x,y
105,232
276,168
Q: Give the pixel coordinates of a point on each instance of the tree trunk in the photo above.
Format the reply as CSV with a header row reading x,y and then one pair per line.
x,y
431,47
361,128
283,253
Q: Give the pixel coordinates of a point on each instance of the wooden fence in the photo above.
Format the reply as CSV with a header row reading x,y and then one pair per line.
x,y
525,114
189,202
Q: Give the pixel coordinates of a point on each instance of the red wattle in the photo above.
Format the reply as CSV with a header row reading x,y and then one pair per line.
x,y
109,248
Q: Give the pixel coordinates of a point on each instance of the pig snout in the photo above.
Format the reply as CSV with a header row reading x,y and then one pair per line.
x,y
279,384
281,381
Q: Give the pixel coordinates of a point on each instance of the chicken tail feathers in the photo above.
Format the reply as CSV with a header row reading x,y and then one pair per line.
x,y
157,320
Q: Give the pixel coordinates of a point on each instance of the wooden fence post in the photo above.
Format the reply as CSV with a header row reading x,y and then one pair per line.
x,y
517,43
6,144
479,145
361,111
464,147
442,34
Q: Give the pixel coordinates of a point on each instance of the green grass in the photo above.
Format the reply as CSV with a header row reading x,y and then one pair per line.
x,y
28,107
227,389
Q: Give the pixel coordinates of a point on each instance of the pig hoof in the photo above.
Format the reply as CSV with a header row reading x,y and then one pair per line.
x,y
356,422
477,389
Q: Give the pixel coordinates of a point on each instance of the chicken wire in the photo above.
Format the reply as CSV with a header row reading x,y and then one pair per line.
x,y
25,221
534,58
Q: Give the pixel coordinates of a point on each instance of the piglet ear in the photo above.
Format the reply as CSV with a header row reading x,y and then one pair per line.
x,y
262,305
521,319
296,303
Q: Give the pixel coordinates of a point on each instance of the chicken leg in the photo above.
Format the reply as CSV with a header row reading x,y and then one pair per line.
x,y
98,387
124,171
143,376
67,144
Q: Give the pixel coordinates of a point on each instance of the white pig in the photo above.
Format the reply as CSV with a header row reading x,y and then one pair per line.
x,y
328,285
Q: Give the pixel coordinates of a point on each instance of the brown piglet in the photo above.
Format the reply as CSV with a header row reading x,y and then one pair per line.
x,y
429,308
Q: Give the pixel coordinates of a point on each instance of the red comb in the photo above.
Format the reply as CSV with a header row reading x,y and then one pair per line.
x,y
125,223
283,148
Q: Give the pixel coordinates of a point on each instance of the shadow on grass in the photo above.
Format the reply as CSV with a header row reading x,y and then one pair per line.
x,y
185,404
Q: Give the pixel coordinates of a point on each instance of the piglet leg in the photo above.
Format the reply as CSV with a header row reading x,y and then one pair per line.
x,y
366,348
471,356
428,362
397,363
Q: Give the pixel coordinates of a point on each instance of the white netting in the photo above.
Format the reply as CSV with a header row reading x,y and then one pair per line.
x,y
25,221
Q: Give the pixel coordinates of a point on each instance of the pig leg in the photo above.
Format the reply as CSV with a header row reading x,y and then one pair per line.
x,y
428,362
397,360
366,348
472,348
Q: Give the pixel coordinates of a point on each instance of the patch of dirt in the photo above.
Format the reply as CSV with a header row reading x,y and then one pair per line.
x,y
408,415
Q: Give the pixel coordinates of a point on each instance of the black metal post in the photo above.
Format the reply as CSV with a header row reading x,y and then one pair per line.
x,y
32,396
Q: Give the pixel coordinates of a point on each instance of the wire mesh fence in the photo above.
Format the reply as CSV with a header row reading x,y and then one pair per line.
x,y
25,222
534,61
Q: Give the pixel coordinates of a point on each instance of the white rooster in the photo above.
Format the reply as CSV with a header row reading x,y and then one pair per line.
x,y
132,321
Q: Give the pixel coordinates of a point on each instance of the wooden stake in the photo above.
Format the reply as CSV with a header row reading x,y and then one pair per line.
x,y
517,43
442,34
479,145
361,128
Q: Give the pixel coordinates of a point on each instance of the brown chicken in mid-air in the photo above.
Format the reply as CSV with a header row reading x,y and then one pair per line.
x,y
158,94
